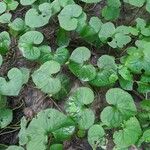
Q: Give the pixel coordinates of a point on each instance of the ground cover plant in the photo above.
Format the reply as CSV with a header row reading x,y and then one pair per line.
x,y
74,75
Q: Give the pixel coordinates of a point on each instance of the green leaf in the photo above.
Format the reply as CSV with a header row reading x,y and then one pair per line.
x,y
13,147
11,4
95,23
145,137
1,59
27,44
4,42
122,107
44,125
80,55
13,86
44,80
75,107
62,38
107,30
78,66
107,72
143,84
138,59
56,147
65,87
90,1
5,18
110,13
27,2
129,135
37,18
3,101
23,139
68,17
3,7
87,119
120,40
96,136
26,75
5,117
137,3
83,95
17,25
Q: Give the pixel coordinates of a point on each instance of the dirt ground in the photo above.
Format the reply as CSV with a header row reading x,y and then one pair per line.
x,y
31,100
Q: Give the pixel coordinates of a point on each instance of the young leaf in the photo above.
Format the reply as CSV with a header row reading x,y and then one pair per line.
x,y
44,80
129,135
5,117
78,66
107,72
27,44
37,18
68,17
13,86
122,107
4,42
96,136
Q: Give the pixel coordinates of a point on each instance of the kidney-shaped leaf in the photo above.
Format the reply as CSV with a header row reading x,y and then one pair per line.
x,y
122,107
68,17
28,42
96,136
129,135
44,80
13,86
45,124
37,18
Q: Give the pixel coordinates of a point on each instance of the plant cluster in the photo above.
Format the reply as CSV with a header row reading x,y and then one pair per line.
x,y
124,116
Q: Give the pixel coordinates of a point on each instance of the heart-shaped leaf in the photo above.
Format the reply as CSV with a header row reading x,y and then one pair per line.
x,y
75,107
47,123
129,135
68,17
13,86
28,42
96,136
122,107
79,66
107,72
44,80
37,18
